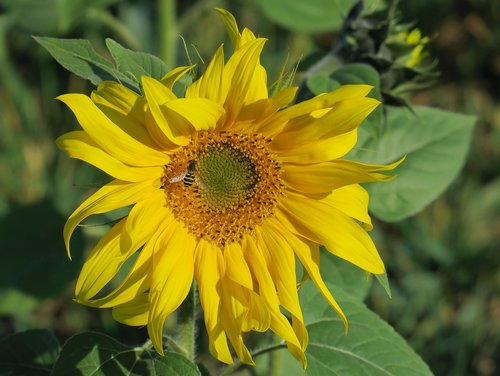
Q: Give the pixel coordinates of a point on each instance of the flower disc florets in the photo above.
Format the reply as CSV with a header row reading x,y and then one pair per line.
x,y
233,184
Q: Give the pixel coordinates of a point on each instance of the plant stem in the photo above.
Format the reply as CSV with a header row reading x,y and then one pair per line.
x,y
237,364
167,32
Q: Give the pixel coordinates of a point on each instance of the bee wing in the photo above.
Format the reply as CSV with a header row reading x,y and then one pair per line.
x,y
200,183
177,178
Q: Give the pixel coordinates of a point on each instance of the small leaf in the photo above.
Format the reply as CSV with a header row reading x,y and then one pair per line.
x,y
28,353
435,142
100,355
136,64
371,346
78,56
384,282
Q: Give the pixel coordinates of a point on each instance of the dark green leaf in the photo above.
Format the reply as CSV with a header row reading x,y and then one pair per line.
x,y
100,355
309,16
370,348
34,253
28,353
78,56
136,64
435,143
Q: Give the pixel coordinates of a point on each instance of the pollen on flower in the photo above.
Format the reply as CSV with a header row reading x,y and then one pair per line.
x,y
237,182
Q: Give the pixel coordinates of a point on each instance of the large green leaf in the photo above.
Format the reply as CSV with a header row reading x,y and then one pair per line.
x,y
34,263
309,16
100,355
435,143
136,64
344,276
370,348
78,56
28,353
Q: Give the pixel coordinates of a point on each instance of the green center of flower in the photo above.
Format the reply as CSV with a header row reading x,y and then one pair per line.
x,y
222,185
227,176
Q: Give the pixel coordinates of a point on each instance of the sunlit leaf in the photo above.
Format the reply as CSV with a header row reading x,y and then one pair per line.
x,y
100,355
435,142
78,56
136,64
28,353
371,346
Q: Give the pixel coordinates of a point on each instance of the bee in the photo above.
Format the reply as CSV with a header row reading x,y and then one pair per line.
x,y
188,176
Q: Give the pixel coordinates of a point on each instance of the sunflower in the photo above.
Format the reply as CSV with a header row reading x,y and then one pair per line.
x,y
227,186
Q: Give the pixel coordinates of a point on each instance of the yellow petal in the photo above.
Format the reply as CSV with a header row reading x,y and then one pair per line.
x,y
282,267
79,145
327,176
109,136
196,114
103,263
209,269
137,280
340,234
343,117
231,25
134,312
114,195
353,201
165,133
171,279
308,254
267,289
325,101
244,76
236,266
232,315
171,77
211,84
320,151
121,242
125,108
260,110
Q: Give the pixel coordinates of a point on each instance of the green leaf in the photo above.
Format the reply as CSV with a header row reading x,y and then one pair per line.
x,y
26,264
384,282
136,64
435,142
344,276
308,16
100,355
28,353
78,56
370,348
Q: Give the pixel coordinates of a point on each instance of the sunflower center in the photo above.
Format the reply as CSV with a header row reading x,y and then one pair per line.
x,y
227,176
222,185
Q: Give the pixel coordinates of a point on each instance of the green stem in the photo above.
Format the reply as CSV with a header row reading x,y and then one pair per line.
x,y
187,325
114,24
237,364
167,31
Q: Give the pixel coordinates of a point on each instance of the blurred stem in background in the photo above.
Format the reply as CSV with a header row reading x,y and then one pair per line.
x,y
168,32
105,18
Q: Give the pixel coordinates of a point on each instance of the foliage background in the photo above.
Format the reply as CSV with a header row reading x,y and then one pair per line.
x,y
443,263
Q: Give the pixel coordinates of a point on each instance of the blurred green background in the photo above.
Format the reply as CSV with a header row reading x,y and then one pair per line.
x,y
443,263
